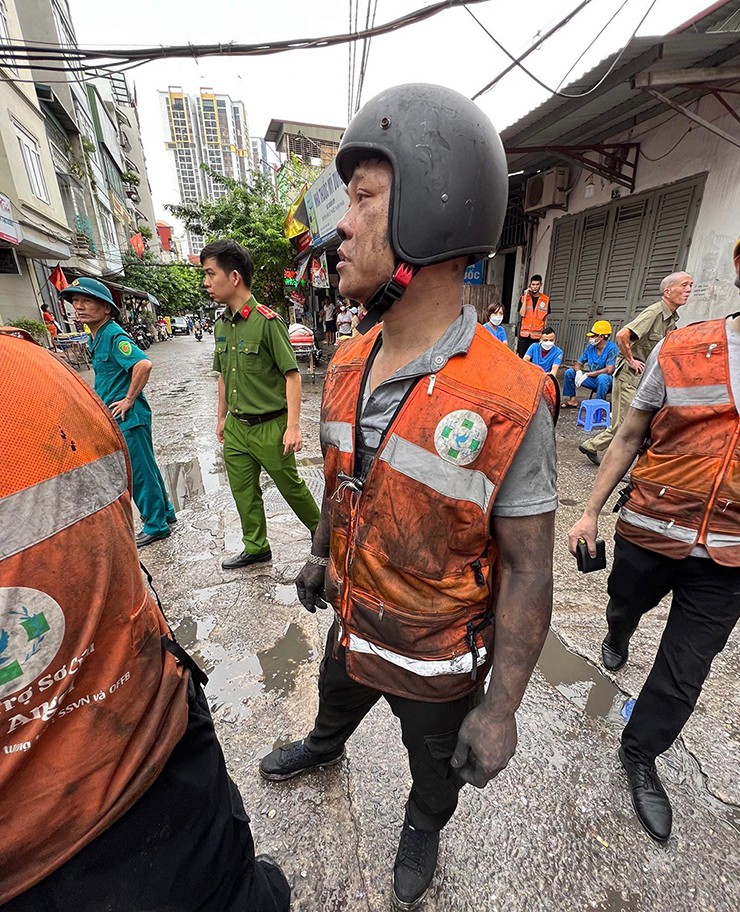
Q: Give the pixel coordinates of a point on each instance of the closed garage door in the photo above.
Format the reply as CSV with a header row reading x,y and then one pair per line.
x,y
608,262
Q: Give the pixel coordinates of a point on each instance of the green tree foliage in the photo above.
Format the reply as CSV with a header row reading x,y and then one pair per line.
x,y
249,214
178,287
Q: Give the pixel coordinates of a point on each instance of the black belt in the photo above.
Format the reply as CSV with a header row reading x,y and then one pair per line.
x,y
260,419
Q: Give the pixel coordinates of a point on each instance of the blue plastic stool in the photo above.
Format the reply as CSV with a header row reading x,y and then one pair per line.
x,y
594,413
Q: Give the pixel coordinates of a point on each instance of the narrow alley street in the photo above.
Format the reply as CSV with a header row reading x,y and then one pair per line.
x,y
554,833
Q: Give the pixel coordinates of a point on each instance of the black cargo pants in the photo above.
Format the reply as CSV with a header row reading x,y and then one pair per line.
x,y
185,846
429,732
704,610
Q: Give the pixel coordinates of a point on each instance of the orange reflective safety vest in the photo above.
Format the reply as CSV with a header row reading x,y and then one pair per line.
x,y
412,560
535,316
90,704
686,486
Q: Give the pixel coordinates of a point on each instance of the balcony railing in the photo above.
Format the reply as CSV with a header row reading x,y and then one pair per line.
x,y
85,238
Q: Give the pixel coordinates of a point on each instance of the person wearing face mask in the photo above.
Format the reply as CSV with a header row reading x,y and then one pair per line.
x,y
597,362
545,354
495,319
678,531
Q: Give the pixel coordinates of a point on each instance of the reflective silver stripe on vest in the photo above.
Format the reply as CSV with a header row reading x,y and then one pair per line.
x,y
697,395
720,540
34,514
438,474
426,669
337,434
661,526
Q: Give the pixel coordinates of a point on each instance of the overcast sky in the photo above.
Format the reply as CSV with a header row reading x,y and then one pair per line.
x,y
311,86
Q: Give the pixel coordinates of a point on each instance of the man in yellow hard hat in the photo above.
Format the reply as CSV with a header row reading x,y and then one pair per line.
x,y
594,367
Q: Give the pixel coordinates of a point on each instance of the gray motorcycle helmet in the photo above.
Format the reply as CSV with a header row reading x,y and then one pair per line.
x,y
450,183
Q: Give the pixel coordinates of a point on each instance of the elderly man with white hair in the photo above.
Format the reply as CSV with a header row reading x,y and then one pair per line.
x,y
636,340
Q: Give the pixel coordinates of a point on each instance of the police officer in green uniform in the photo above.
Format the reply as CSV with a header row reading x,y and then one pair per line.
x,y
121,373
259,400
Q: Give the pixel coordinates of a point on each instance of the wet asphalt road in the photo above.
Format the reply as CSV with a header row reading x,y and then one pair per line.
x,y
555,832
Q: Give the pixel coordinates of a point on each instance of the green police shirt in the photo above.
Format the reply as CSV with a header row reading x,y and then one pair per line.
x,y
253,354
113,359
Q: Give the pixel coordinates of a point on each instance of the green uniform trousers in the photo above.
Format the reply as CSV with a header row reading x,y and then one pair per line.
x,y
623,392
150,494
248,450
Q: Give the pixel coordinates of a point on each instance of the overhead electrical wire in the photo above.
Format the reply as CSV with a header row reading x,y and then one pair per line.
x,y
588,47
44,57
547,88
516,61
369,23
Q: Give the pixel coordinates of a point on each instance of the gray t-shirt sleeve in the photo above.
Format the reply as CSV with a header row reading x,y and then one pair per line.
x,y
650,394
530,485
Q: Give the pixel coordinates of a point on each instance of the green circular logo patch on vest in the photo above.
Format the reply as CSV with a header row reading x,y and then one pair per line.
x,y
459,436
31,632
125,347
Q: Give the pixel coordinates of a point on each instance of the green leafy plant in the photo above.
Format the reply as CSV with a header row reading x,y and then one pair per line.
x,y
249,214
33,327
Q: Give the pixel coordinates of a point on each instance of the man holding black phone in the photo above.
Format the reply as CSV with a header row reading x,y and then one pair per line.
x,y
679,532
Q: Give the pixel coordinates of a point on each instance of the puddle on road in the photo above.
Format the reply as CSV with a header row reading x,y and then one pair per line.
x,y
233,680
579,681
202,475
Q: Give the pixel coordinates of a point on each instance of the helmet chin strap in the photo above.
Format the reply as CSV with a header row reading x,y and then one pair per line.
x,y
387,295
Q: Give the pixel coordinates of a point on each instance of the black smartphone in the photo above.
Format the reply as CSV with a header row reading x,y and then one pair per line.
x,y
586,563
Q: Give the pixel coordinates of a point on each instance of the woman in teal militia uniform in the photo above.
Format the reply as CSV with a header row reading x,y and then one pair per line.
x,y
121,373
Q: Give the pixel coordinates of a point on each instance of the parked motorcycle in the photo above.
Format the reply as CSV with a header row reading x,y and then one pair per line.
x,y
140,337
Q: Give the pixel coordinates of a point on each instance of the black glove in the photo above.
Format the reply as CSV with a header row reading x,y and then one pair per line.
x,y
309,585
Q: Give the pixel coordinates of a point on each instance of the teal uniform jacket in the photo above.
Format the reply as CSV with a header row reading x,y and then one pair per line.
x,y
113,358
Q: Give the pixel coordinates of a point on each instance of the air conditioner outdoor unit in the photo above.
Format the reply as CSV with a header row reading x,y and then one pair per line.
x,y
547,191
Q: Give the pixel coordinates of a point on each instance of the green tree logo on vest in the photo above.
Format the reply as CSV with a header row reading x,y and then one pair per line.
x,y
31,632
459,436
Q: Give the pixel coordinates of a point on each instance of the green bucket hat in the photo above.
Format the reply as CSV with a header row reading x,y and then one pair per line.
x,y
93,289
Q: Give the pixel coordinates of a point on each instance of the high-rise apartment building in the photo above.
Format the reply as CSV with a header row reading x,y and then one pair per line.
x,y
208,129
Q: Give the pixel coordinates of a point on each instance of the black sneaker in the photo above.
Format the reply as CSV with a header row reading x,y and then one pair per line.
x,y
294,759
416,862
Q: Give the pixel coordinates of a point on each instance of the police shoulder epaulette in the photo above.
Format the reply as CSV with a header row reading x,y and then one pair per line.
x,y
266,312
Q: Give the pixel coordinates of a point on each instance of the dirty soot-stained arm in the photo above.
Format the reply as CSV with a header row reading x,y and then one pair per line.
x,y
313,584
488,736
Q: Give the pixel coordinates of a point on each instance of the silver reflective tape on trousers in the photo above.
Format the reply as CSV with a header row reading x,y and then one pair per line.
x,y
661,526
438,474
337,434
36,513
697,395
430,668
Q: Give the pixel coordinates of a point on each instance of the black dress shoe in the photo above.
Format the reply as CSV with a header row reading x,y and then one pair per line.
x,y
171,521
143,538
613,654
293,759
590,453
649,799
416,862
245,560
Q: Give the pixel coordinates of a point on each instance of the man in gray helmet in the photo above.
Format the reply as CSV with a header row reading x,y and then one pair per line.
x,y
434,438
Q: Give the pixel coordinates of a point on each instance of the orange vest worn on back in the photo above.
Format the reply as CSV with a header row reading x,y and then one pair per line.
x,y
535,316
90,705
411,552
686,486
